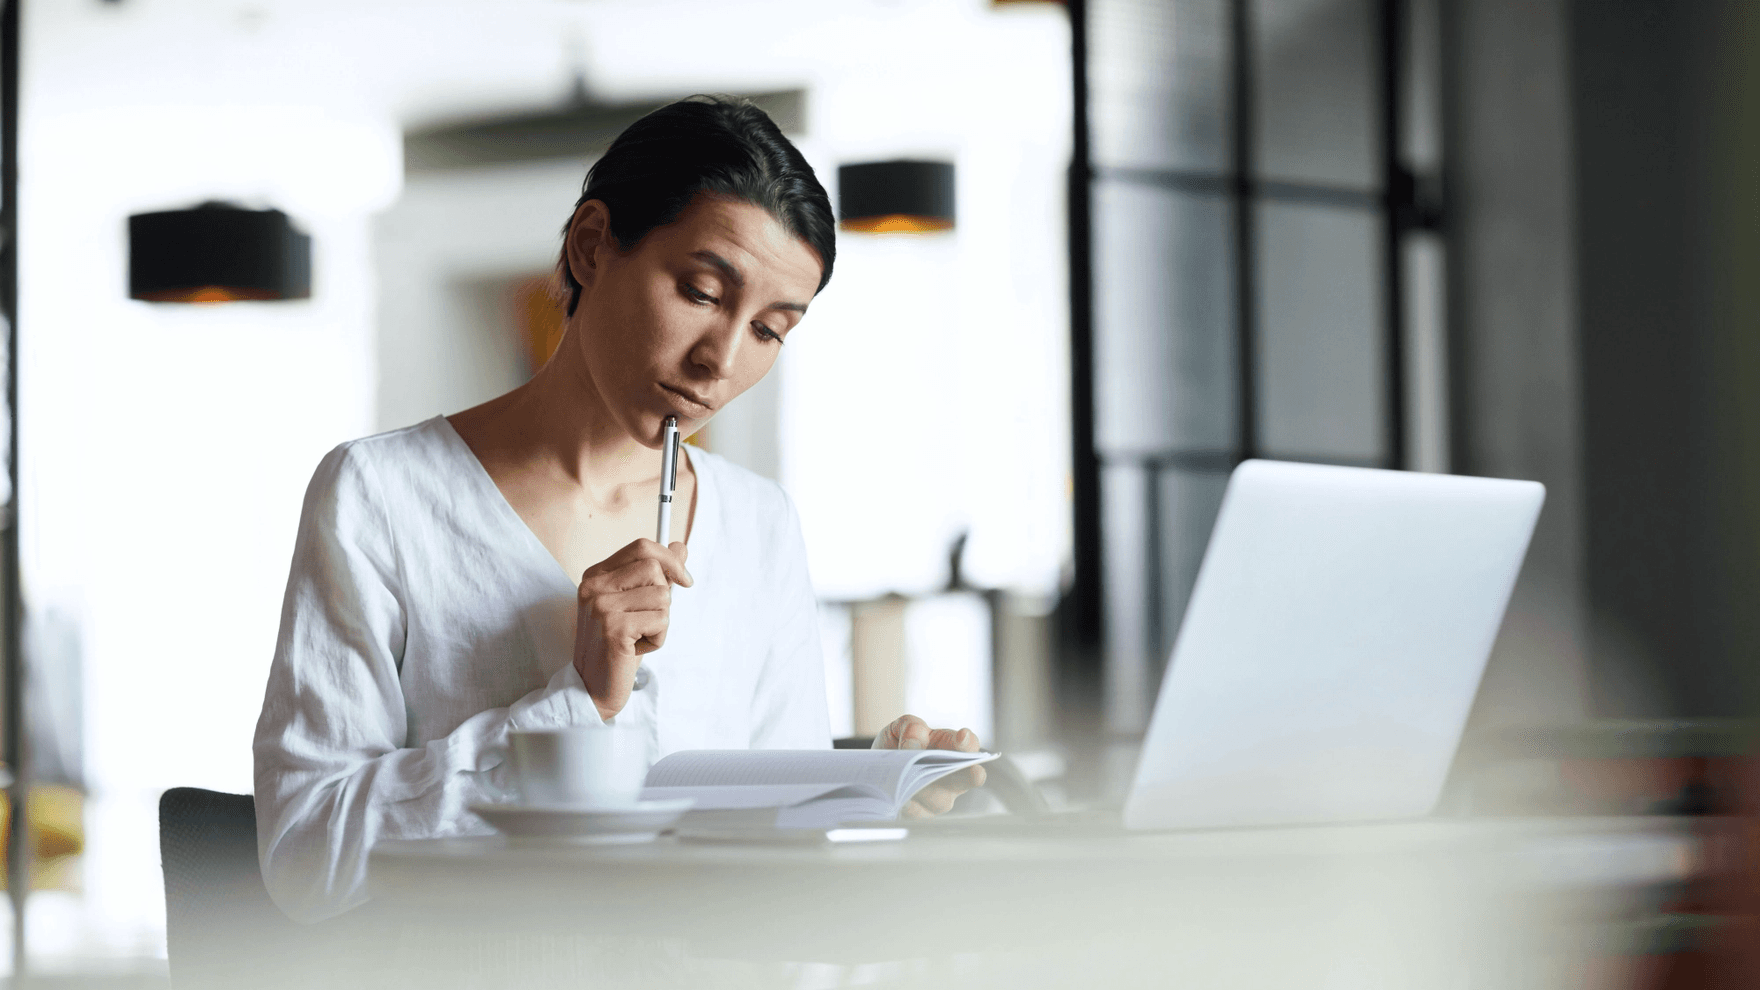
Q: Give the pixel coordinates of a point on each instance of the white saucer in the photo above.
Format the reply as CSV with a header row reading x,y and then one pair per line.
x,y
638,822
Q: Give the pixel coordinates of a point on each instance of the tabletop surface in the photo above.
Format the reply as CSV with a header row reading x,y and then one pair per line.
x,y
1396,905
1012,841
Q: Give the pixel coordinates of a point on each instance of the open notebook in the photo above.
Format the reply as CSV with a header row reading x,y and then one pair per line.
x,y
799,788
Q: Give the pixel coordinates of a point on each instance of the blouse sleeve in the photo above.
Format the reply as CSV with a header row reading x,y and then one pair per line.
x,y
789,708
333,775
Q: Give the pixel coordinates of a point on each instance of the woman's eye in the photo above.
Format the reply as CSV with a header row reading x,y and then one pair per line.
x,y
766,333
695,294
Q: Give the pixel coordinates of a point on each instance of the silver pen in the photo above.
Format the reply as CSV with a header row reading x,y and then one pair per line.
x,y
668,485
668,478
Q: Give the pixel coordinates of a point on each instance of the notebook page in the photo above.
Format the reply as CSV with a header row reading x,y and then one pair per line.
x,y
879,768
714,798
842,805
932,765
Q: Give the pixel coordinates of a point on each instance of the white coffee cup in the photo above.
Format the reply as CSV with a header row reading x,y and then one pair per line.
x,y
578,767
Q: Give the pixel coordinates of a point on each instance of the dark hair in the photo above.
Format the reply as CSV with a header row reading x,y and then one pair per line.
x,y
704,144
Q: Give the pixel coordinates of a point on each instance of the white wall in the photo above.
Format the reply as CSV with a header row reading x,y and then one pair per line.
x,y
442,346
930,393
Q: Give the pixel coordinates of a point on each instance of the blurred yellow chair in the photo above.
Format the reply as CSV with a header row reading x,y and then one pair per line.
x,y
57,825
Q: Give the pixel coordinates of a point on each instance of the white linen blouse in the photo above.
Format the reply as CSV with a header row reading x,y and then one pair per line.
x,y
424,619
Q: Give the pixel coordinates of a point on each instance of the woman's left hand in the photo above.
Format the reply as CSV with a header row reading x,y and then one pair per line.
x,y
911,732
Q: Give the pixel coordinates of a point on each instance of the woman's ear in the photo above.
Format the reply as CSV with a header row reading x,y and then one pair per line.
x,y
588,233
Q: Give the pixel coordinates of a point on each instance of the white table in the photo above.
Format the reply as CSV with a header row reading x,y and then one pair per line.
x,y
1438,903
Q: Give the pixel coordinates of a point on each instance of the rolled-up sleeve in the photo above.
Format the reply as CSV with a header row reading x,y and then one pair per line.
x,y
333,773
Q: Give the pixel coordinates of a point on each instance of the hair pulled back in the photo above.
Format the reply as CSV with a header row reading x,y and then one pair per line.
x,y
704,144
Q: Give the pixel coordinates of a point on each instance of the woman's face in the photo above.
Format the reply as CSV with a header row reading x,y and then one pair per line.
x,y
689,318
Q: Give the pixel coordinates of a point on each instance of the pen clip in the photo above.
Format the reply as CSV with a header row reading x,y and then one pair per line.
x,y
668,459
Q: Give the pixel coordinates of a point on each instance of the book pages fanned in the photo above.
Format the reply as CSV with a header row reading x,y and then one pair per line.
x,y
809,788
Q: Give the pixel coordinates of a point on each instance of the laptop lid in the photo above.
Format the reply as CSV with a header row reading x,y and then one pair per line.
x,y
1332,646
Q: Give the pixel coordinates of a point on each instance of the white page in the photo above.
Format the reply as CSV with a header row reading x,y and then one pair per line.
x,y
835,808
745,795
932,765
881,768
867,783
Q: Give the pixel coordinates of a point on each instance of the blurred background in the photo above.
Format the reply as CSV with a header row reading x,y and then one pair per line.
x,y
1514,238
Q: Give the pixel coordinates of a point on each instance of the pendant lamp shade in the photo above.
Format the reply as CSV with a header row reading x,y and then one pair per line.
x,y
217,252
901,196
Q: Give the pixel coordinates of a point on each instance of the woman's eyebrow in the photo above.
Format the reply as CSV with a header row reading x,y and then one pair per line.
x,y
733,275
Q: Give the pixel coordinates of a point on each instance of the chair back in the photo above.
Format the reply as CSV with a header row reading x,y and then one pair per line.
x,y
221,928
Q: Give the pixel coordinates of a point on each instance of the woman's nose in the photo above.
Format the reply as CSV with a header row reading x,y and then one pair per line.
x,y
716,351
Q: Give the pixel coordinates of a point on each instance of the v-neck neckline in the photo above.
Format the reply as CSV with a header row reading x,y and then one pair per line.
x,y
694,530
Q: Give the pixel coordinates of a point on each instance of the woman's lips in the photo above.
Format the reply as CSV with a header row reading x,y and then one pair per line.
x,y
686,402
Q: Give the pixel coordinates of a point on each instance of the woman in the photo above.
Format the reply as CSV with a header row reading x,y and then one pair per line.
x,y
490,570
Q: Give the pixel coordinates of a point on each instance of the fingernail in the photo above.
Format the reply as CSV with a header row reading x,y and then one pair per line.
x,y
911,744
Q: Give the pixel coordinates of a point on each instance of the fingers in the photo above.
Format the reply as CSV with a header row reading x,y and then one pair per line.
x,y
634,622
637,633
646,598
917,809
936,799
959,782
904,732
623,613
911,732
969,778
641,562
963,740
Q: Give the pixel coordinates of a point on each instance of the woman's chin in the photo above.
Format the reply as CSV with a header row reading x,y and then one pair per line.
x,y
649,429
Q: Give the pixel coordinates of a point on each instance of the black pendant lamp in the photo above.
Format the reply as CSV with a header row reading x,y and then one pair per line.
x,y
217,252
901,196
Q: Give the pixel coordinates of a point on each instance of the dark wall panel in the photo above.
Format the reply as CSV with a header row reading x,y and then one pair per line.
x,y
1643,111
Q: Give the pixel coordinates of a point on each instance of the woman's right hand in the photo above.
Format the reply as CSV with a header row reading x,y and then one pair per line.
x,y
624,606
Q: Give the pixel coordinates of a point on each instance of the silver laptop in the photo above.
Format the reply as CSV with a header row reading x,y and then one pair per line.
x,y
1332,646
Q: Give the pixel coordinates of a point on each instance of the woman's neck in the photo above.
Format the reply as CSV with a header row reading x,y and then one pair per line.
x,y
558,424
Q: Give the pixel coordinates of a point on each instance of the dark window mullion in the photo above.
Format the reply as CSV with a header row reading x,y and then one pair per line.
x,y
1246,266
1156,542
1395,185
1083,621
